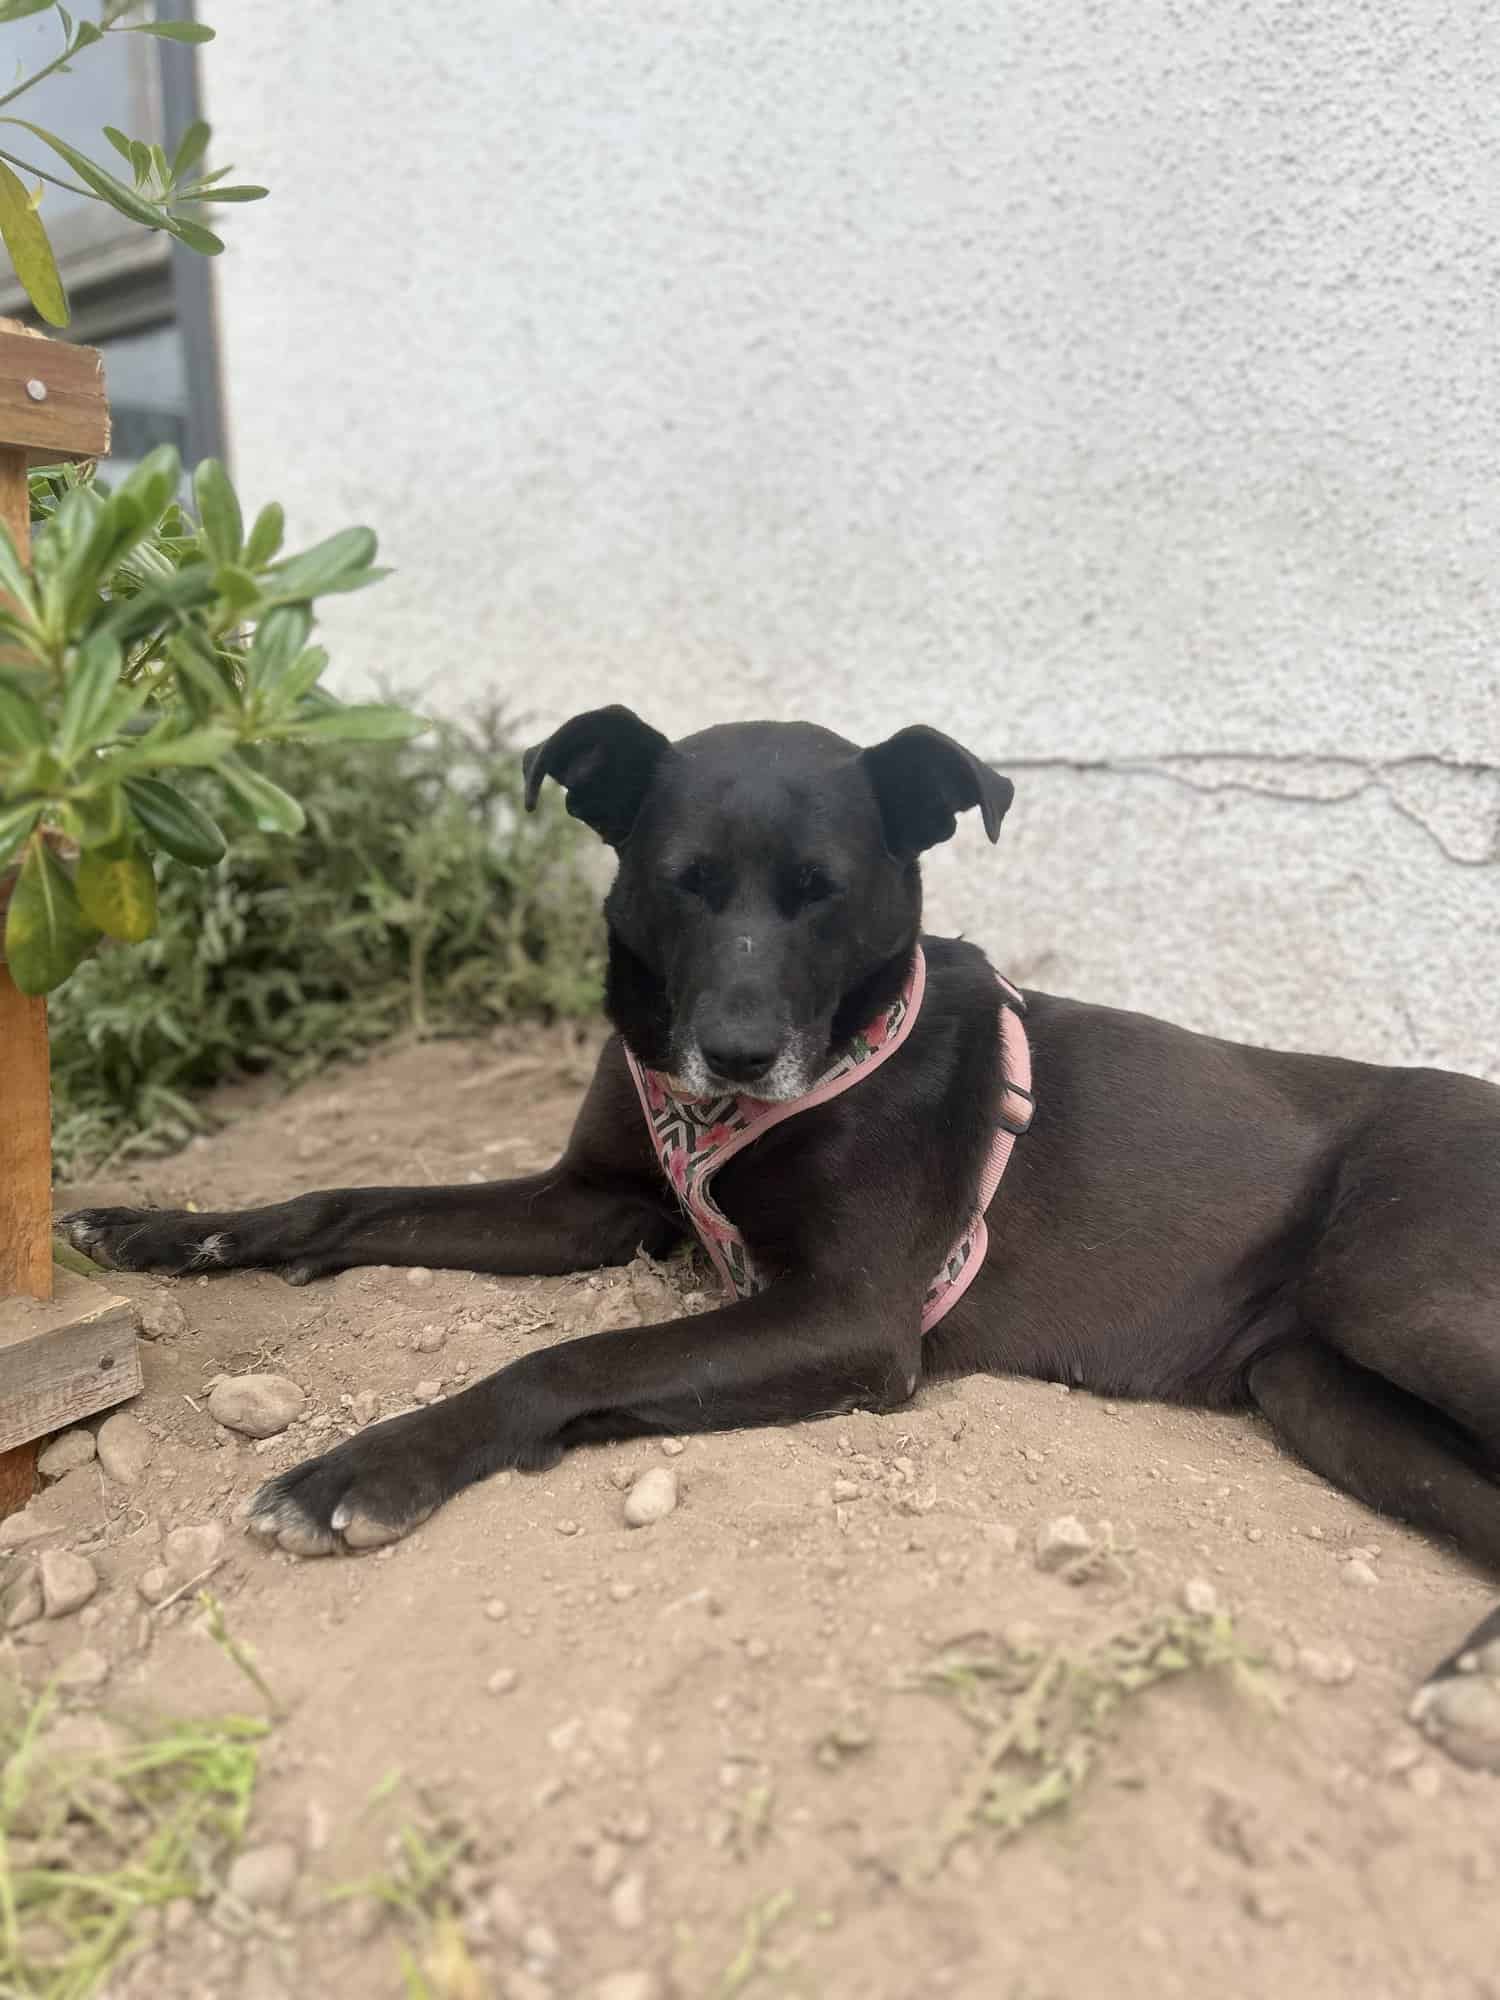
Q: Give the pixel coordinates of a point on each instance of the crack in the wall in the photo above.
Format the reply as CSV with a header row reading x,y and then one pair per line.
x,y
1467,805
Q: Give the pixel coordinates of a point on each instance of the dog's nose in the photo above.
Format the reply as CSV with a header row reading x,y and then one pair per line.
x,y
739,1061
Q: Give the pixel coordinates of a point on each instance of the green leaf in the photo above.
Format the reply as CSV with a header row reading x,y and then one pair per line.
x,y
194,235
275,811
265,536
192,655
195,746
175,823
97,818
46,933
243,191
219,511
22,725
237,587
30,252
17,10
91,684
279,639
118,896
301,679
140,162
122,145
88,33
92,175
361,722
15,577
340,563
173,31
191,147
15,823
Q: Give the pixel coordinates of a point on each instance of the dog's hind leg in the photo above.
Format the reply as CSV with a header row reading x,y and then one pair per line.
x,y
1398,1454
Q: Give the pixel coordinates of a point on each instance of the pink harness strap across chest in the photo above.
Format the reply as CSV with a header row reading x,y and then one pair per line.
x,y
695,1136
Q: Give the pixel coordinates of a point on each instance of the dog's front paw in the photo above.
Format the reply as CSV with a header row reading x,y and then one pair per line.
x,y
149,1239
370,1490
1459,1710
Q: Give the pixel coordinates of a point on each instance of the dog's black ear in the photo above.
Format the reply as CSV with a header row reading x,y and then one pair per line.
x,y
923,780
604,761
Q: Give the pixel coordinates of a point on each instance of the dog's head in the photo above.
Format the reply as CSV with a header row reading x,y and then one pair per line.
x,y
768,894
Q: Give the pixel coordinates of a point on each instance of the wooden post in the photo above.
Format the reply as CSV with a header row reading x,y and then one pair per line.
x,y
52,407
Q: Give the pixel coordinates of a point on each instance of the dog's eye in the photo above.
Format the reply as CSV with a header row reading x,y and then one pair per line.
x,y
694,880
814,884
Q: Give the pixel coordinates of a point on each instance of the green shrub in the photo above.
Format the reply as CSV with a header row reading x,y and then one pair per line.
x,y
420,899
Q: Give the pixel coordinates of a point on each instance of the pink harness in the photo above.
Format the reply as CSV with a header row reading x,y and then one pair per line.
x,y
695,1136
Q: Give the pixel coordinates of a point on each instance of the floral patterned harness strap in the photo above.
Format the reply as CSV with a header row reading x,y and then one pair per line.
x,y
694,1136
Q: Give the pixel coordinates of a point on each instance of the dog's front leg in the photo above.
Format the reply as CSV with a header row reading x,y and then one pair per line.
x,y
803,1348
601,1202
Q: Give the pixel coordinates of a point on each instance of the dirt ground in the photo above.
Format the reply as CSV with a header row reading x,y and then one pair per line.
x,y
709,1757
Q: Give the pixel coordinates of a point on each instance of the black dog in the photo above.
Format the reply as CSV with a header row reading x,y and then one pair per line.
x,y
1186,1219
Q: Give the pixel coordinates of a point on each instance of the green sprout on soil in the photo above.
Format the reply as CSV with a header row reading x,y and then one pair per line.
x,y
98,1836
1041,1740
416,1889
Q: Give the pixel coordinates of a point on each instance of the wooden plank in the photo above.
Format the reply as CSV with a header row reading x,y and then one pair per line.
x,y
25,1090
64,1359
26,1129
52,400
18,1480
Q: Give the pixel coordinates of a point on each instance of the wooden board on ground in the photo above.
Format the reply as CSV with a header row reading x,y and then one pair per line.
x,y
65,1358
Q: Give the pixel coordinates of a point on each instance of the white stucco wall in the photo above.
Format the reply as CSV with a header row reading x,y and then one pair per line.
x,y
1115,387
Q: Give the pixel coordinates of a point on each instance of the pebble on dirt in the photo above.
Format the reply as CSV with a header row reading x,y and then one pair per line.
x,y
258,1406
627,1901
627,1986
67,1451
1062,1541
159,1317
503,1680
1330,1668
83,1671
1359,1575
68,1582
125,1449
21,1600
652,1497
419,1277
191,1550
262,1878
1200,1597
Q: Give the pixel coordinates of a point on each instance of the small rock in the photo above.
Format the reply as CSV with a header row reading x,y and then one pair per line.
x,y
1328,1669
497,1608
83,1671
1062,1541
67,1451
191,1550
621,1477
429,1391
567,1527
672,1447
1265,1905
1359,1575
627,1986
621,1592
154,1583
605,1864
68,1582
258,1406
757,1649
125,1448
652,1497
429,1340
506,1913
262,1878
419,1277
1255,1534
21,1600
502,1681
627,1901
364,1407
159,1317
845,1489
1200,1597
29,1525
539,1942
